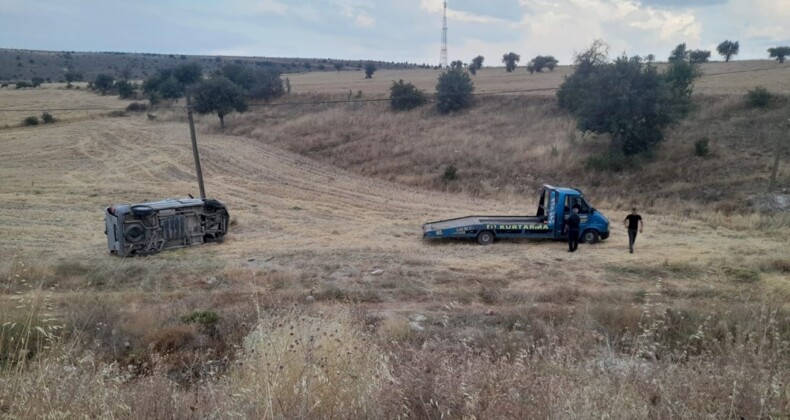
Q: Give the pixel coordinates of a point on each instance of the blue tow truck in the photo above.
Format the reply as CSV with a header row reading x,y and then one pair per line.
x,y
554,208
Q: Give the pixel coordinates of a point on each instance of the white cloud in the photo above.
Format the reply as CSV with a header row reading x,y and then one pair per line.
x,y
437,7
363,19
668,25
276,7
355,10
559,27
268,6
765,19
772,11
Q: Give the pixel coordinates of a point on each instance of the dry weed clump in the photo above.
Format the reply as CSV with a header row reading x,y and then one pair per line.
x,y
27,323
27,327
59,386
300,366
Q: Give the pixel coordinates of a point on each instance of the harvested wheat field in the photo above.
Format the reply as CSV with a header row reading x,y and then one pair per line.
x,y
325,302
718,78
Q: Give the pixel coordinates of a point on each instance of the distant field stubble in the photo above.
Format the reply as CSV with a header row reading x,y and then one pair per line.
x,y
742,75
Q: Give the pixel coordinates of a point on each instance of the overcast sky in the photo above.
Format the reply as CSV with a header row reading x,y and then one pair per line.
x,y
393,30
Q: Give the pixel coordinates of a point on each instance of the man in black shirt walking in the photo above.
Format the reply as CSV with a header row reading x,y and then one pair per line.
x,y
633,222
572,227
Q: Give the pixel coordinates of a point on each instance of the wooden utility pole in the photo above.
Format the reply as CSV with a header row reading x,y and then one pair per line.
x,y
195,148
779,150
772,184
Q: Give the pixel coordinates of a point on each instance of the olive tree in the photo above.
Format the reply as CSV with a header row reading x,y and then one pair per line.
x,y
540,62
72,76
627,98
680,53
699,56
370,68
727,49
103,83
476,64
510,59
779,53
171,83
264,84
220,96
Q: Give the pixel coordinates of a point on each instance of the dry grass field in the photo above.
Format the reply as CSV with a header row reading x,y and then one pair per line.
x,y
324,302
719,78
58,101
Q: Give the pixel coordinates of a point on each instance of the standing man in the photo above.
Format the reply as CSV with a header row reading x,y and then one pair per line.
x,y
633,222
572,227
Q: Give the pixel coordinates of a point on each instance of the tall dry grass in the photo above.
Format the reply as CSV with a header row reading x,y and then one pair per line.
x,y
659,362
653,360
504,144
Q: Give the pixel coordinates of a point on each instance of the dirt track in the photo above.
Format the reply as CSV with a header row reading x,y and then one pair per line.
x,y
295,215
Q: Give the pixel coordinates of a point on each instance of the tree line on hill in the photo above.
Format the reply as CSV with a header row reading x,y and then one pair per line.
x,y
18,65
727,49
626,98
224,91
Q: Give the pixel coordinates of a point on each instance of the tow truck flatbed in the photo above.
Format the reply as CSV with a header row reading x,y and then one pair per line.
x,y
553,208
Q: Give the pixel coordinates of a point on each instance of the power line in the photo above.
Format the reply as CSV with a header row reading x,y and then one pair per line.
x,y
744,71
352,101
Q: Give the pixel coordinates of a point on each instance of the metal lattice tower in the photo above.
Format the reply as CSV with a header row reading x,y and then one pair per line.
x,y
443,55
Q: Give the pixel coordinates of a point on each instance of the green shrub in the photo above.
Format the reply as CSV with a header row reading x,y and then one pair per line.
x,y
370,68
103,83
137,107
47,118
22,84
124,88
206,319
454,91
758,97
743,275
611,162
66,269
29,121
450,172
405,96
701,147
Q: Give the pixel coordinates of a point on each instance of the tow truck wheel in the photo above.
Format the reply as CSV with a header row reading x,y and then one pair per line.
x,y
590,236
485,237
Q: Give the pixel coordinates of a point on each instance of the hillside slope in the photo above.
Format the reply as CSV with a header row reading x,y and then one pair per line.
x,y
510,145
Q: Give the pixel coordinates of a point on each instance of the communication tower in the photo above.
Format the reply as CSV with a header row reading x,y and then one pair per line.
x,y
443,55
